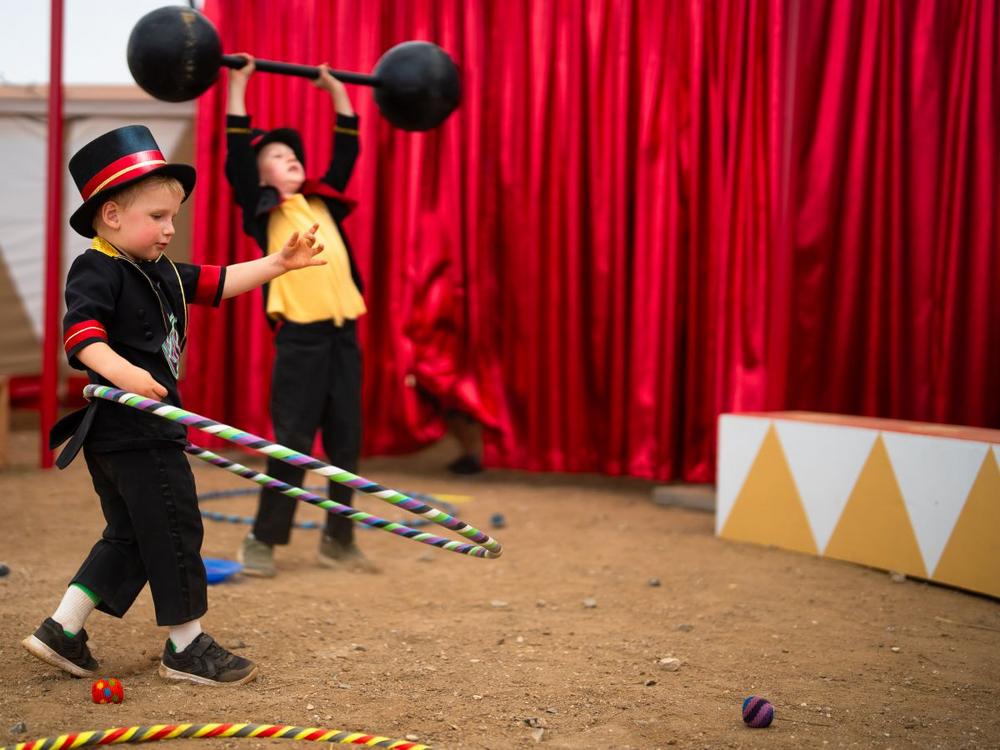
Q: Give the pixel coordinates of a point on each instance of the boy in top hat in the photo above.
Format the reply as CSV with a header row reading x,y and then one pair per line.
x,y
316,380
126,324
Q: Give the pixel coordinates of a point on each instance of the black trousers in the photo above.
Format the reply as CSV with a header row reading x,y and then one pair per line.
x,y
316,385
153,533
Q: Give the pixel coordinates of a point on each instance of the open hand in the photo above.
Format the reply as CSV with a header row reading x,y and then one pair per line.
x,y
301,250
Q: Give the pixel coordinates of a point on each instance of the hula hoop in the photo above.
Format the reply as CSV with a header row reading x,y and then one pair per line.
x,y
157,732
485,546
334,507
214,515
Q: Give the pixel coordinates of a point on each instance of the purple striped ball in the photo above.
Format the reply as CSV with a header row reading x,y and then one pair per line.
x,y
757,712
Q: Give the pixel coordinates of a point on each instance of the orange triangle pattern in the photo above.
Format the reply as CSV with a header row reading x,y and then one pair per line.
x,y
971,559
874,528
768,509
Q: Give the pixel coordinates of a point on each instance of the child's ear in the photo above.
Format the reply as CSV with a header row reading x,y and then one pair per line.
x,y
110,215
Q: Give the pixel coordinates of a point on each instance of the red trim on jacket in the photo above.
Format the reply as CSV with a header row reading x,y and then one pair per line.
x,y
77,334
207,292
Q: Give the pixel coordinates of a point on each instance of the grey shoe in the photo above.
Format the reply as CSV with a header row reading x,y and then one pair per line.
x,y
205,662
334,554
257,558
51,644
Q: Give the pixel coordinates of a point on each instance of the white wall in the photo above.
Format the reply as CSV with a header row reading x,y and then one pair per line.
x,y
95,34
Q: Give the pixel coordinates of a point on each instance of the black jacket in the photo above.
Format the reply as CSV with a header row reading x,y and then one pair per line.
x,y
128,305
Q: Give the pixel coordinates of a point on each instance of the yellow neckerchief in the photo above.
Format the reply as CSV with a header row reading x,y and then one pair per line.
x,y
317,293
101,245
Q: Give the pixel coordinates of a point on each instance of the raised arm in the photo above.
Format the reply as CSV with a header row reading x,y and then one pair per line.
x,y
345,132
241,162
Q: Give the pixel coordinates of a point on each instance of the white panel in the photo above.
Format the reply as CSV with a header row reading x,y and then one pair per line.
x,y
739,442
22,211
95,37
935,476
825,461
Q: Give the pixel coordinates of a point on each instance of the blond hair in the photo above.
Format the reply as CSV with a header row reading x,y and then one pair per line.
x,y
127,195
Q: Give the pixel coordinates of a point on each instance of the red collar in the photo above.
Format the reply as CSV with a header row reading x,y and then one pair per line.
x,y
316,187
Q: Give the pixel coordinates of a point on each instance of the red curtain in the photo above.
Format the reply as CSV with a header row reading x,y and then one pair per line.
x,y
642,215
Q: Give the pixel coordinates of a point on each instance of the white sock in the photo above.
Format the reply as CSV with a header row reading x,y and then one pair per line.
x,y
182,635
74,609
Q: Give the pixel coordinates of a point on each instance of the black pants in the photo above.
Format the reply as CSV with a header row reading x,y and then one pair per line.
x,y
153,533
316,385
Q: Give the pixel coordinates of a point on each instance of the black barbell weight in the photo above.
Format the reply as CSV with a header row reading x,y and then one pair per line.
x,y
174,54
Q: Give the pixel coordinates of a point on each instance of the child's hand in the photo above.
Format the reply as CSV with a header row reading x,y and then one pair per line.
x,y
241,76
136,380
326,81
301,250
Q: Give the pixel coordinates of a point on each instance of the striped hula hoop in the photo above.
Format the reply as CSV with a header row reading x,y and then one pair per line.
x,y
484,545
157,732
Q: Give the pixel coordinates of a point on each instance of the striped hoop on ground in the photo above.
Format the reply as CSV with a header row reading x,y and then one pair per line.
x,y
157,732
484,545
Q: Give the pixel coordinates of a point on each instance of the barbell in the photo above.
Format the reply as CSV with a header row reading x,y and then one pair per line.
x,y
174,54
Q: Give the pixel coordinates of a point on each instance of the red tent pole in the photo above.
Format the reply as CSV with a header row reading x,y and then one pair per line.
x,y
53,233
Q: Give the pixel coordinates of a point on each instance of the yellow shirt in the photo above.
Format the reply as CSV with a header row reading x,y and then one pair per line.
x,y
309,295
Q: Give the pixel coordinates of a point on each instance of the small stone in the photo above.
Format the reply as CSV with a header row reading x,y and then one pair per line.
x,y
669,664
537,734
649,683
310,707
498,604
551,711
534,721
426,557
238,644
590,603
412,737
895,649
897,577
19,728
685,627
477,697
540,603
4,570
357,647
654,582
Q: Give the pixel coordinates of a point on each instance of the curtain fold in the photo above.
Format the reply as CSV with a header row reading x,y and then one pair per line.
x,y
643,214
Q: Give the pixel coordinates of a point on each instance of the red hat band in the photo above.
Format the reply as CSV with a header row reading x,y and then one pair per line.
x,y
122,170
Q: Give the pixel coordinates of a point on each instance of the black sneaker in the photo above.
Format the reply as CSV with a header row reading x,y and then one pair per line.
x,y
51,644
205,662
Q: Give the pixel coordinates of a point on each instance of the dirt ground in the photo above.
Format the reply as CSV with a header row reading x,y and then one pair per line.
x,y
468,653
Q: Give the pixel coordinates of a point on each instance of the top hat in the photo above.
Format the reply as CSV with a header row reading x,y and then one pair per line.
x,y
114,161
289,136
